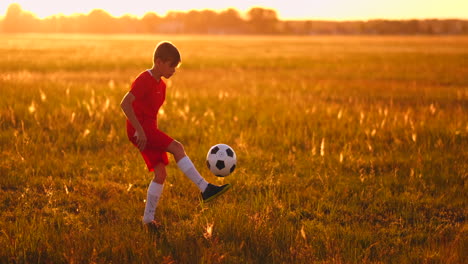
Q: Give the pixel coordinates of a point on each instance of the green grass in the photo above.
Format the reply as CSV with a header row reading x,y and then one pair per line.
x,y
350,150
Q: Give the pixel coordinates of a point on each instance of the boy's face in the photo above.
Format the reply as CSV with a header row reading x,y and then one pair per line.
x,y
166,68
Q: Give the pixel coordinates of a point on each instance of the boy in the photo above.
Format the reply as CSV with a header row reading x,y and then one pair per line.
x,y
141,105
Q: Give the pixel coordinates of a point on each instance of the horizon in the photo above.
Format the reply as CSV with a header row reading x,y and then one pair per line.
x,y
452,9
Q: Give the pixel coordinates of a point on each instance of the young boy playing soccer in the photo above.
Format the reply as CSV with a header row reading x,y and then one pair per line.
x,y
141,105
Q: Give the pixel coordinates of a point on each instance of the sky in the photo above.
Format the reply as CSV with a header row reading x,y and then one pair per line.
x,y
286,9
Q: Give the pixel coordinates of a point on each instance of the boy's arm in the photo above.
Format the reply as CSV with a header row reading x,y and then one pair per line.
x,y
127,108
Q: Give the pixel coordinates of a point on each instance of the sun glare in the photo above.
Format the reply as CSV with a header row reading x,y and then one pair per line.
x,y
286,10
42,10
45,8
137,8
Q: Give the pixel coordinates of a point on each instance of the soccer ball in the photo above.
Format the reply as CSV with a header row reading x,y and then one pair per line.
x,y
221,160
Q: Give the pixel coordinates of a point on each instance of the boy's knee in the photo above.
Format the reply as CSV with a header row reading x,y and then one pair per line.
x,y
159,179
159,174
178,146
177,149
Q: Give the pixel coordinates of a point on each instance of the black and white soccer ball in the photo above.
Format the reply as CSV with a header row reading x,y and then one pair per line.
x,y
221,160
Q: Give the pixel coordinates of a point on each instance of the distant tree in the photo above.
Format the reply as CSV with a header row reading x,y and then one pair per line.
x,y
257,21
16,20
263,20
308,27
199,21
73,24
209,20
172,23
229,21
99,21
151,22
51,24
129,24
193,22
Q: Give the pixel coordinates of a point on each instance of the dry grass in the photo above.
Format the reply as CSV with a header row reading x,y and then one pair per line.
x,y
351,150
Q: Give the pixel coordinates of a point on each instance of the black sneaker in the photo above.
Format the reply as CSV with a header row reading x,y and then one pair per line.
x,y
213,191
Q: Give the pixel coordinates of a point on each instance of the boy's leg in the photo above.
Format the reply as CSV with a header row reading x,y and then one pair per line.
x,y
154,192
186,165
208,190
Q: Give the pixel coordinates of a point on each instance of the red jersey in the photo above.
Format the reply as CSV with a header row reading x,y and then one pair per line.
x,y
149,96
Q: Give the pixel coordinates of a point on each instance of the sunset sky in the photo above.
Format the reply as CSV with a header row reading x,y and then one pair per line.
x,y
286,9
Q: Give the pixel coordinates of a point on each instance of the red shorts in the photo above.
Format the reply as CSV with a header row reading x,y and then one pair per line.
x,y
156,145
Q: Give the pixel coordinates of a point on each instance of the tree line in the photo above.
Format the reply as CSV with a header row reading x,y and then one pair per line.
x,y
229,21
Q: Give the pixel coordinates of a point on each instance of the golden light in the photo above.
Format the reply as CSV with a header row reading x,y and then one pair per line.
x,y
287,10
47,8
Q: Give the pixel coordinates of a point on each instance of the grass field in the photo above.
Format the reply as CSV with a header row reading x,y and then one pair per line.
x,y
350,150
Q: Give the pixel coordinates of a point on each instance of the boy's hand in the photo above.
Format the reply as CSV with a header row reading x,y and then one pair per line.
x,y
141,140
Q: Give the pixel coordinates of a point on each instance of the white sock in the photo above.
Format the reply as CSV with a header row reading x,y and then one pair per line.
x,y
154,193
187,167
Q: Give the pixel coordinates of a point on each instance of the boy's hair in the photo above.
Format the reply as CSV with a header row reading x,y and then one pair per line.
x,y
166,51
